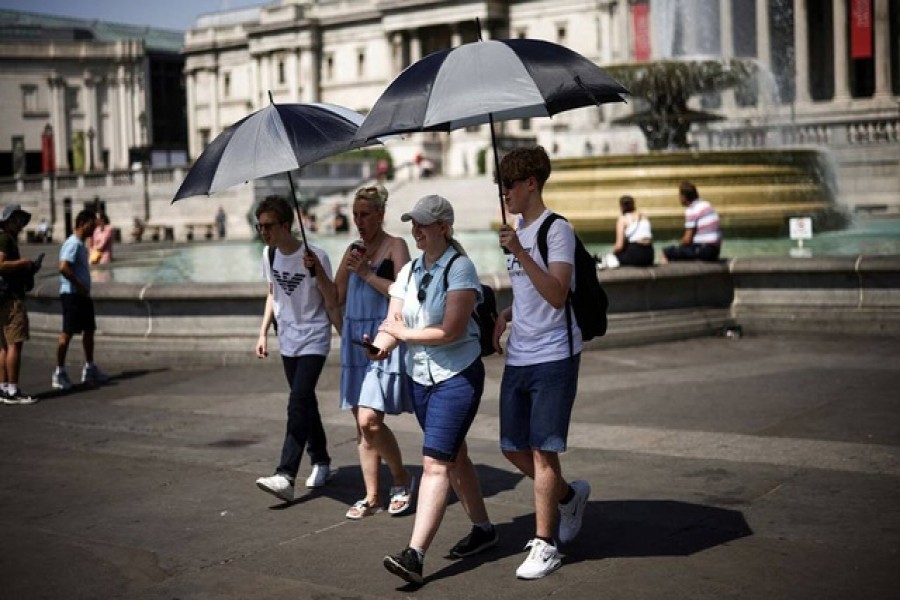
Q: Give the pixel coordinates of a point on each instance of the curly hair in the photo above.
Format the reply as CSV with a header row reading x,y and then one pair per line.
x,y
278,206
522,163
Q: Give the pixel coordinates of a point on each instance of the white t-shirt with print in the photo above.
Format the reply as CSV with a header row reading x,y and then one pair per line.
x,y
303,325
539,331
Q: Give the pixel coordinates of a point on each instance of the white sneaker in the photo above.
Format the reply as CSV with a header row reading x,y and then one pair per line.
x,y
278,485
93,375
542,560
321,474
61,381
571,514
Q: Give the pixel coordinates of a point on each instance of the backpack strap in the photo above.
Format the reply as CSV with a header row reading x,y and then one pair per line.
x,y
447,270
271,250
542,248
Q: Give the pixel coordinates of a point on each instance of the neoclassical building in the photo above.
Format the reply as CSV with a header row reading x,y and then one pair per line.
x,y
102,95
834,65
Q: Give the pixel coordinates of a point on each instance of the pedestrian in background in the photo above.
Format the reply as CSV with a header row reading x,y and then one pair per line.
x,y
16,277
431,311
372,389
77,305
100,243
702,239
298,302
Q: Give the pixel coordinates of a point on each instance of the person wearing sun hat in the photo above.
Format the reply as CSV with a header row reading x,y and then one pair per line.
x,y
17,277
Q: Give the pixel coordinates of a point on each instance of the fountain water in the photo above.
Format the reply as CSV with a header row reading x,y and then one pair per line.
x,y
755,191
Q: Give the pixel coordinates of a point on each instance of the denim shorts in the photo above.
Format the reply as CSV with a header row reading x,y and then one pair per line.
x,y
445,411
536,405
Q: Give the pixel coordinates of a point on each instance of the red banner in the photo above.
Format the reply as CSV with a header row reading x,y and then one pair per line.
x,y
860,29
48,159
640,23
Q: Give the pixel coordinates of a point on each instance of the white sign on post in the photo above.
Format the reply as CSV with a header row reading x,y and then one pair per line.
x,y
801,228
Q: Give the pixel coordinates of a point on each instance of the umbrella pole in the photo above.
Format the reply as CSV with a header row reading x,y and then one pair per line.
x,y
497,169
312,270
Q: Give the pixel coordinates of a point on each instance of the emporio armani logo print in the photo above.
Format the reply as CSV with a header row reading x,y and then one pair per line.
x,y
288,281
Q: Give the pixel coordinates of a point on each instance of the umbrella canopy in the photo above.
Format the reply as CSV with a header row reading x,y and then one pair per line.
x,y
279,138
488,80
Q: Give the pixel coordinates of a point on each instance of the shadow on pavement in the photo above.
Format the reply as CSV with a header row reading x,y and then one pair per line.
x,y
644,528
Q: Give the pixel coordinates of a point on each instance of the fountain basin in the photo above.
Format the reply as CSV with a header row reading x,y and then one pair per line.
x,y
754,191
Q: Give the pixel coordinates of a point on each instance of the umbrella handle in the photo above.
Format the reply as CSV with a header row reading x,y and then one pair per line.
x,y
312,270
497,169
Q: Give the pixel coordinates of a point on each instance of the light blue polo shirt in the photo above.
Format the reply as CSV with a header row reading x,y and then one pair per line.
x,y
74,251
428,365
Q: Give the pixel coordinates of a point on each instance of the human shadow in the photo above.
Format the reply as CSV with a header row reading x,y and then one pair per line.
x,y
619,529
642,528
113,380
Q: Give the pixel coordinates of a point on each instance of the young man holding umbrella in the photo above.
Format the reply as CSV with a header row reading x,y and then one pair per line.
x,y
539,382
298,301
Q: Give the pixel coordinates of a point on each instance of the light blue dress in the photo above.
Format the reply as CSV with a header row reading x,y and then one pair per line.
x,y
380,385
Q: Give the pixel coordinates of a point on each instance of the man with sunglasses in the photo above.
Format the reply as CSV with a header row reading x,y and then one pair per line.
x,y
539,383
300,292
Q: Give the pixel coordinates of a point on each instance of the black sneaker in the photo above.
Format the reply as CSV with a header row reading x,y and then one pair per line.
x,y
19,397
406,565
477,541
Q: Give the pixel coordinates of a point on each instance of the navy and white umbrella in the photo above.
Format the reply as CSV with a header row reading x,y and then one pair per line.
x,y
277,139
486,81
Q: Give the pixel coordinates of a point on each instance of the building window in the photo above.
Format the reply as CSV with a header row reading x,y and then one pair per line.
x,y
522,33
561,35
281,74
204,138
525,124
73,102
226,85
329,66
361,63
30,99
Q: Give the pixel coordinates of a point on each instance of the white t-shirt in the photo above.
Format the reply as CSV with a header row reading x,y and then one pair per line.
x,y
303,325
539,331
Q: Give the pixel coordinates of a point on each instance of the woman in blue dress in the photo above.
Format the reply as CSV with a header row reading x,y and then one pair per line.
x,y
372,389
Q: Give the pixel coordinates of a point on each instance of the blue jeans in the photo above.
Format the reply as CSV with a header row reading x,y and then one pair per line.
x,y
445,410
304,423
536,405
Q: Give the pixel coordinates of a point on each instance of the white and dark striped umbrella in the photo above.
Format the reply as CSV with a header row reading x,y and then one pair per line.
x,y
277,139
486,81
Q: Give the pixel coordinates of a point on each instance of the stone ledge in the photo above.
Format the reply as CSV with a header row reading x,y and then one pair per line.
x,y
218,323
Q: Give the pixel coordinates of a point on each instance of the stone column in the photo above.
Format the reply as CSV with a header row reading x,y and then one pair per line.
x,y
801,54
882,33
726,46
291,64
255,98
214,126
90,97
125,128
415,46
194,148
396,53
839,34
59,120
455,35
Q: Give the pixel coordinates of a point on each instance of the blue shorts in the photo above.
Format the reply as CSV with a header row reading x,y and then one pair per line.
x,y
445,411
536,405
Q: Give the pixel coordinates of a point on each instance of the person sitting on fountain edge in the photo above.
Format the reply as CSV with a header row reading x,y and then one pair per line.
x,y
702,239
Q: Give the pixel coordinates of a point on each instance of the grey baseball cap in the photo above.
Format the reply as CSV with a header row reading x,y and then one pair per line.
x,y
430,209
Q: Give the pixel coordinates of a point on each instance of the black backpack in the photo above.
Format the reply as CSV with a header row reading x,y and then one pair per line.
x,y
485,313
589,301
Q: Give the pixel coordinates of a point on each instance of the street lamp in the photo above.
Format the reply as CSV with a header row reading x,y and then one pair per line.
x,y
90,137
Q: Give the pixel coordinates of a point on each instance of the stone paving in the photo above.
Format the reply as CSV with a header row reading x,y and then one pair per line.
x,y
721,468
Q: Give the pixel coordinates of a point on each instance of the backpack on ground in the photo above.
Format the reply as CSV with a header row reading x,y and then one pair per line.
x,y
588,301
485,313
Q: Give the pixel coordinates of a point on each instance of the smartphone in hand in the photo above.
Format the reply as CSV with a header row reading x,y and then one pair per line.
x,y
368,346
38,261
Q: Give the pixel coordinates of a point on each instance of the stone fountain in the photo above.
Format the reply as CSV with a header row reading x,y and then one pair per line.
x,y
755,191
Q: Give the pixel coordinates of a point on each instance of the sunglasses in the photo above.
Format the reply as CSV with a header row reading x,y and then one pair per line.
x,y
511,183
423,286
260,227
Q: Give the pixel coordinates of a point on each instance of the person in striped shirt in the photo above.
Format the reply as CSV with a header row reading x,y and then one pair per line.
x,y
702,239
